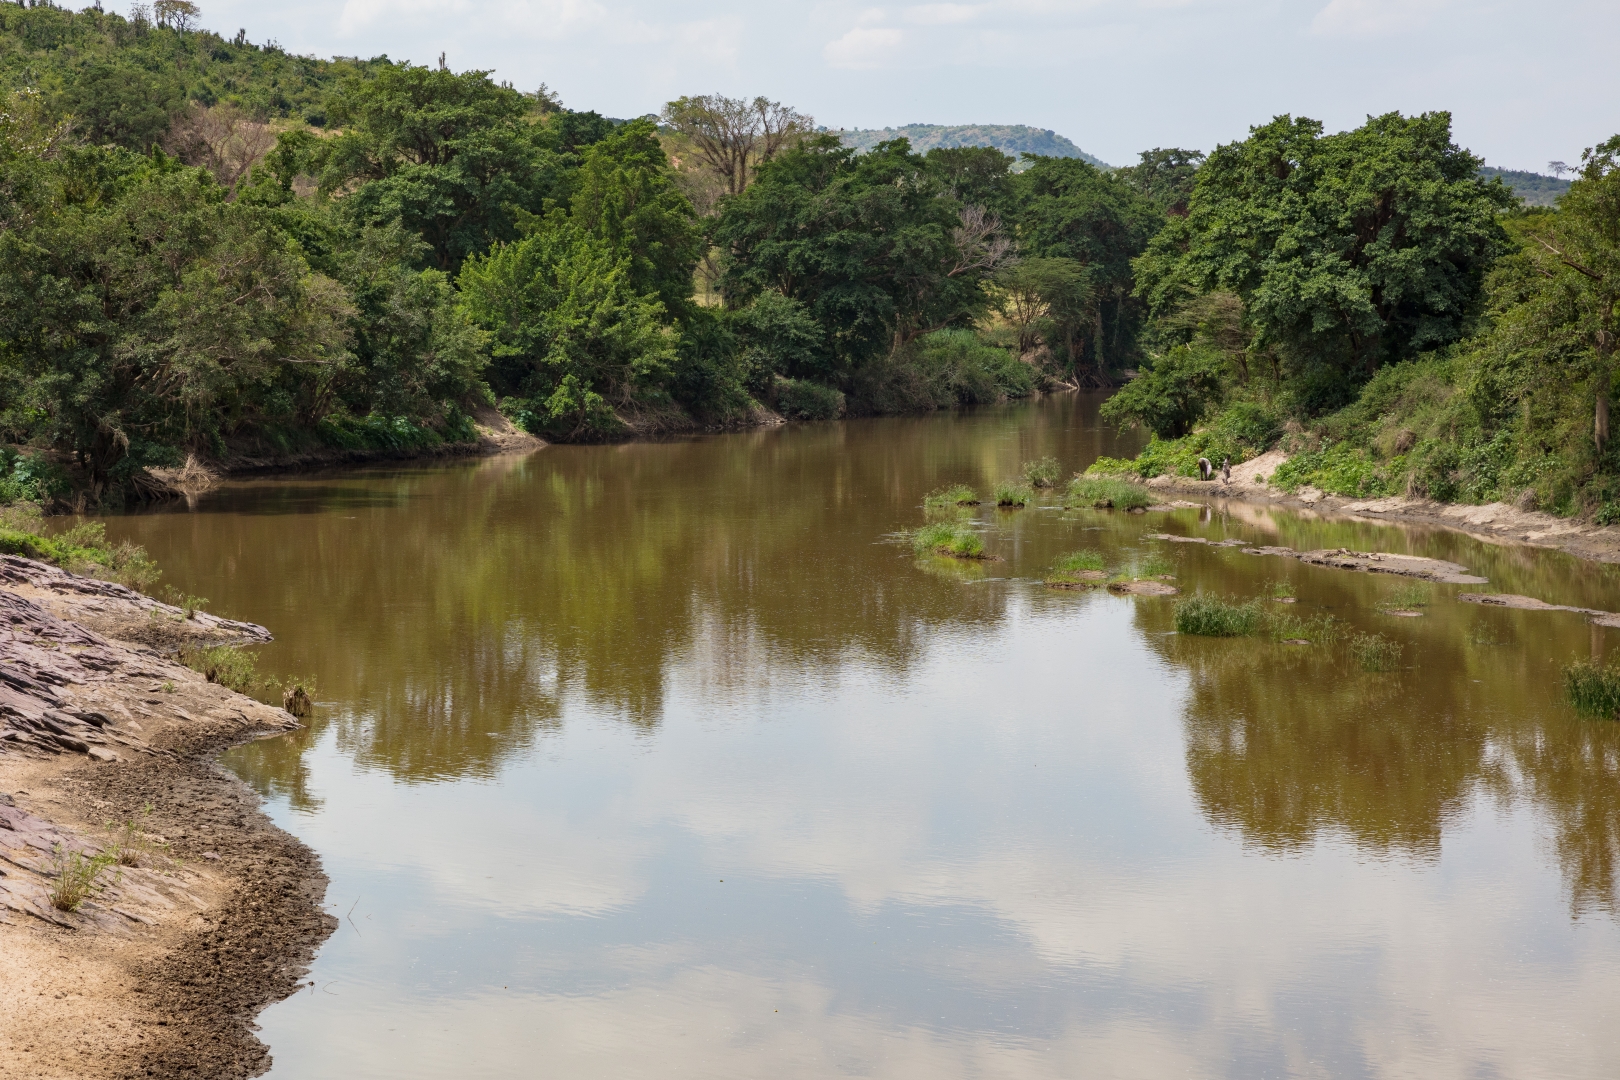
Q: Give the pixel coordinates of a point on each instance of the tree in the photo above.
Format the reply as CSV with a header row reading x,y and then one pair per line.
x,y
734,137
222,139
1579,255
871,244
1041,297
1348,251
571,337
450,156
1170,393
1164,177
120,104
1068,209
182,15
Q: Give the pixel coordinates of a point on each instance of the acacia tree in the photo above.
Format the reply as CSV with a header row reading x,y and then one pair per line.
x,y
734,137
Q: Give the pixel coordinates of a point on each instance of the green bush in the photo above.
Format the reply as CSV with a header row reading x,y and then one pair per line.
x,y
1012,493
1170,394
1593,689
231,667
948,538
1338,469
1042,473
800,399
1105,492
1210,616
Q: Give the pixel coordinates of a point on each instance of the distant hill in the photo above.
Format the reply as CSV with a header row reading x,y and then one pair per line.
x,y
1010,139
1534,188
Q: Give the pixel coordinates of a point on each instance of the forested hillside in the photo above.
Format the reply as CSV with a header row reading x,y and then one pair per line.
x,y
1533,189
1367,301
1013,140
212,248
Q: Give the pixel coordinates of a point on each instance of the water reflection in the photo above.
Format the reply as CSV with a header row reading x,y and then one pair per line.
x,y
666,758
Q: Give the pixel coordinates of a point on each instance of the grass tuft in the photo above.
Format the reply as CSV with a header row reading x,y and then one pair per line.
x,y
1406,598
1042,473
1282,590
1076,561
1105,492
1375,652
948,538
947,498
83,549
1210,616
1012,493
77,877
1320,629
1593,690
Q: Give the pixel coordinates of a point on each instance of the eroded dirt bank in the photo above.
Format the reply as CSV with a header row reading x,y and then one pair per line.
x,y
1496,522
106,746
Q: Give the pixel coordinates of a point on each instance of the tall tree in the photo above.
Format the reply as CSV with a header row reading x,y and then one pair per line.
x,y
733,136
1348,251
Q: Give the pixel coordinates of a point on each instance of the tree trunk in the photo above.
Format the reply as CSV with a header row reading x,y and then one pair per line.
x,y
1600,421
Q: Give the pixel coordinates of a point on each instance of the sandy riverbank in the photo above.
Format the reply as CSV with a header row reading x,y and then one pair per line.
x,y
162,971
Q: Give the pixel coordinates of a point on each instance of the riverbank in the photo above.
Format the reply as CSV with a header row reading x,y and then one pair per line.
x,y
204,911
1495,522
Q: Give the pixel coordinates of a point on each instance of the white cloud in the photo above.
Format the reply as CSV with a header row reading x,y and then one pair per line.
x,y
864,47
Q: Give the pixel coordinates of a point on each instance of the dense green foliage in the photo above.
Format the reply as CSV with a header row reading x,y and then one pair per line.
x,y
1373,304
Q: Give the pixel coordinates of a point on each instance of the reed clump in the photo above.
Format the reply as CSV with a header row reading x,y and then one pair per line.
x,y
1014,494
1282,590
1593,689
1211,616
1042,472
1375,652
1106,493
948,498
1321,629
949,538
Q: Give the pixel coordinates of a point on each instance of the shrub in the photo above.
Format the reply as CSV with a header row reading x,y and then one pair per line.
x,y
800,399
1171,393
1593,690
1105,492
1012,493
229,666
947,498
83,549
1042,473
948,538
1338,469
1375,652
1210,616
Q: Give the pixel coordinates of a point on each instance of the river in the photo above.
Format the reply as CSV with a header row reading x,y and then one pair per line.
x,y
664,759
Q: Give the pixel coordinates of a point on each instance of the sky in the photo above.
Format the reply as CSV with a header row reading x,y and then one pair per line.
x,y
1526,83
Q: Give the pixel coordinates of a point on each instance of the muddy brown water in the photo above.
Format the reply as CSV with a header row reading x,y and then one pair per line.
x,y
661,760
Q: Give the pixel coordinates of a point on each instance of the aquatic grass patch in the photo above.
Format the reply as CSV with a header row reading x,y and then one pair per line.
x,y
950,538
1078,568
1406,598
1375,652
1154,565
1282,590
1322,629
1593,689
1011,493
1202,615
1042,472
950,497
1106,493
